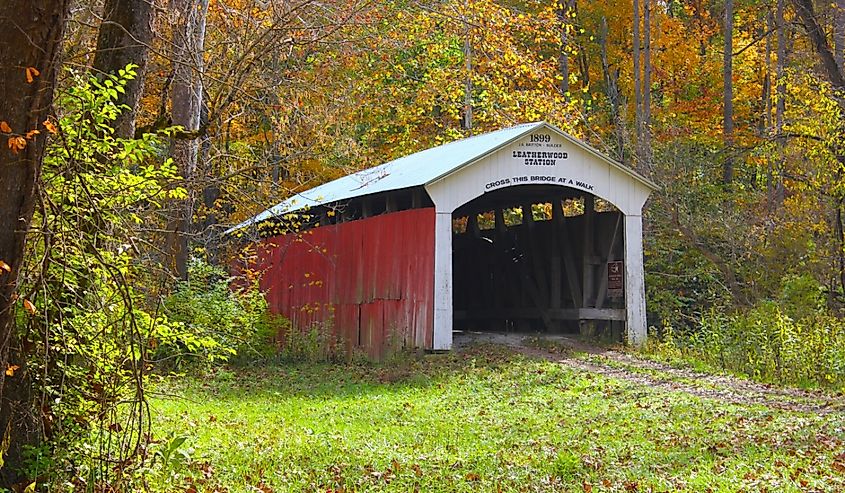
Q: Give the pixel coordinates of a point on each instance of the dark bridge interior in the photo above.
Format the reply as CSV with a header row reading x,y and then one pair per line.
x,y
536,258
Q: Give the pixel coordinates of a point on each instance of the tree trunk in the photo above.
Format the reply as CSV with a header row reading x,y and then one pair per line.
x,y
780,104
125,36
467,123
188,45
839,34
728,116
30,41
638,117
834,73
611,82
767,121
563,56
646,135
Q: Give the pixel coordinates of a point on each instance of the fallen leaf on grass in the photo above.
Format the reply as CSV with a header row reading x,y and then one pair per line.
x,y
263,488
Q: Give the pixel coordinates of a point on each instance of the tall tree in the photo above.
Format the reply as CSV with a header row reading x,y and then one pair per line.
x,y
831,70
835,74
186,102
638,101
30,39
839,34
611,82
563,56
124,37
780,97
646,118
728,106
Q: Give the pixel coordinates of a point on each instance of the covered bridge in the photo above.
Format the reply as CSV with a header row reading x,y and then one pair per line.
x,y
525,228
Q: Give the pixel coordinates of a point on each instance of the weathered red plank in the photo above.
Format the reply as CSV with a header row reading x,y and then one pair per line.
x,y
368,279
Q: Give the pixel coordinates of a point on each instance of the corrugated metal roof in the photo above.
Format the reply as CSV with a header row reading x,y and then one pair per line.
x,y
417,169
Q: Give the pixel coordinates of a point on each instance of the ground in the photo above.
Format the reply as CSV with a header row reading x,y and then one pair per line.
x,y
501,413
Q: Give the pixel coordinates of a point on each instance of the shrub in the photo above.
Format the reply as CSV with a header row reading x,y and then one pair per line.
x,y
215,322
316,344
766,344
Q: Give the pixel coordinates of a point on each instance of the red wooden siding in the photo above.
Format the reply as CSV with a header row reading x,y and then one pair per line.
x,y
371,281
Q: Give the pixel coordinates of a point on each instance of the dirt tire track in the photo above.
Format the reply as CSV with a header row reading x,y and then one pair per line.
x,y
718,387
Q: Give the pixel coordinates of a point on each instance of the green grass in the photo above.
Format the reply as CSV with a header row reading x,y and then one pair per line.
x,y
484,420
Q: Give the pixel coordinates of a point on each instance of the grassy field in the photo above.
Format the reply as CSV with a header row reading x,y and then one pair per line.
x,y
486,419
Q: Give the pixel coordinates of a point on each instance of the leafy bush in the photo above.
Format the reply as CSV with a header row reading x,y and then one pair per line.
x,y
85,319
215,322
765,344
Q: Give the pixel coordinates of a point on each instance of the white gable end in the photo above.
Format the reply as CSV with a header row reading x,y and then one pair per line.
x,y
543,157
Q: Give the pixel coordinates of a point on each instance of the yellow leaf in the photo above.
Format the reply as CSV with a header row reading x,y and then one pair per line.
x,y
31,74
5,266
10,370
31,134
5,128
28,306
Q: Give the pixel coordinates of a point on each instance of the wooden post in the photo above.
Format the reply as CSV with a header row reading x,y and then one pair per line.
x,y
536,256
366,209
588,280
472,225
500,285
390,203
634,281
555,272
416,199
570,268
442,281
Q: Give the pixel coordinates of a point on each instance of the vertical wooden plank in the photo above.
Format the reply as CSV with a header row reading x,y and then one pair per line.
x,y
386,260
539,287
417,198
390,203
372,321
555,263
587,291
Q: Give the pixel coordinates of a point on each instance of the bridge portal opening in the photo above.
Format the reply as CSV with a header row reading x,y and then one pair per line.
x,y
539,258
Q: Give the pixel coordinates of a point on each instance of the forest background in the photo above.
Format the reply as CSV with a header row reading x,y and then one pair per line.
x,y
136,131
